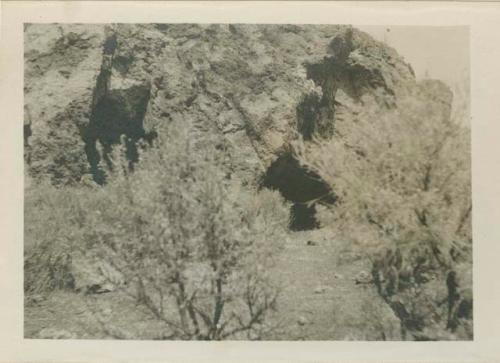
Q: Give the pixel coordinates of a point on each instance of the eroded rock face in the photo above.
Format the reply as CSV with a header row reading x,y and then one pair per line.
x,y
253,87
62,64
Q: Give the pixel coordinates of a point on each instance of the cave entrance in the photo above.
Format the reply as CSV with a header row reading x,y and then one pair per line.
x,y
117,117
300,186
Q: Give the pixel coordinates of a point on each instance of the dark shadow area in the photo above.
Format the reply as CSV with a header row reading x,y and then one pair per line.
x,y
308,112
303,217
26,135
300,186
116,118
316,112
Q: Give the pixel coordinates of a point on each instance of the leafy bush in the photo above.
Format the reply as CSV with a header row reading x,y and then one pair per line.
x,y
190,245
402,182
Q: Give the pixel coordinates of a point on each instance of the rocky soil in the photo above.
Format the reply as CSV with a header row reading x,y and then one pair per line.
x,y
323,298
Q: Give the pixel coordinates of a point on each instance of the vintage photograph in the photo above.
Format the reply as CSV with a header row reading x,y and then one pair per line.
x,y
247,182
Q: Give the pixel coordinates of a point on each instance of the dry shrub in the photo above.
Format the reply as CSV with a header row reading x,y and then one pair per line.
x,y
402,179
191,245
195,247
51,219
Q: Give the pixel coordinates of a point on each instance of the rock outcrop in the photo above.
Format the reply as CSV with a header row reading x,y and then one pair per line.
x,y
62,64
252,86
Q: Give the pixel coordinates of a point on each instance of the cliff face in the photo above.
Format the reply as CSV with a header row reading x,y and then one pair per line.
x,y
252,87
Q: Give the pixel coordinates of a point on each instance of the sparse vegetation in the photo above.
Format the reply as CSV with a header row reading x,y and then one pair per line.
x,y
402,179
210,182
189,246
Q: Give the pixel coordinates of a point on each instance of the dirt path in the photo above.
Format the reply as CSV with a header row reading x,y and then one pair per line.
x,y
321,300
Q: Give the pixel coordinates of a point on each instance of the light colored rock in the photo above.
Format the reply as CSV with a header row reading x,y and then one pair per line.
x,y
363,277
52,333
321,289
62,63
302,321
91,276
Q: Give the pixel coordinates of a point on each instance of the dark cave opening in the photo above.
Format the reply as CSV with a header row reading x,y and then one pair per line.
x,y
316,115
117,118
299,186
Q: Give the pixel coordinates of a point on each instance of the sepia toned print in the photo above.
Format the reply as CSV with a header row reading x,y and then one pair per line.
x,y
246,182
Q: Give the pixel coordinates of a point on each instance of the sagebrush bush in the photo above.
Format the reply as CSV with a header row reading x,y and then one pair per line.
x,y
399,175
51,229
402,181
192,246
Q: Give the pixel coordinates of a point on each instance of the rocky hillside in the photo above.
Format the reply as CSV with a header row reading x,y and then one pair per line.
x,y
254,87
